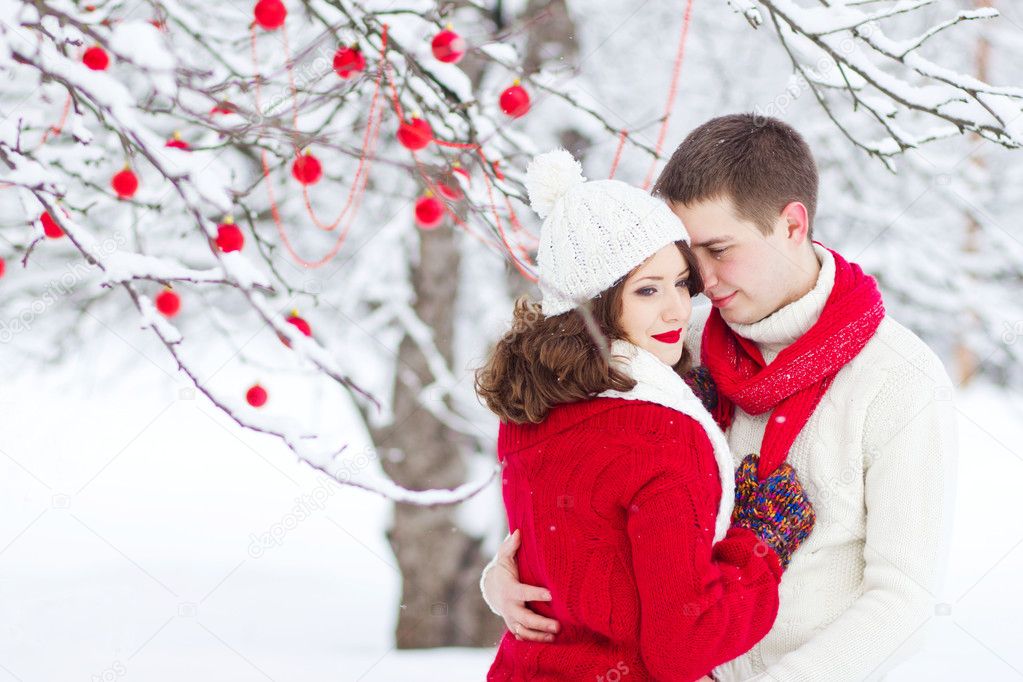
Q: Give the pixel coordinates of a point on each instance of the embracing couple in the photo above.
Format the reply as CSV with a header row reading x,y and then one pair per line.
x,y
759,489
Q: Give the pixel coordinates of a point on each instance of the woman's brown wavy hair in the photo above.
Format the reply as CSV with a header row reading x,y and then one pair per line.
x,y
542,362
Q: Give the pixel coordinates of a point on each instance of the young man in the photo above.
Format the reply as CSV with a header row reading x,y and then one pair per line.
x,y
810,370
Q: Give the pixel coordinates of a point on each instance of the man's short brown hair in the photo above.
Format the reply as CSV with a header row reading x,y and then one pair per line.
x,y
760,163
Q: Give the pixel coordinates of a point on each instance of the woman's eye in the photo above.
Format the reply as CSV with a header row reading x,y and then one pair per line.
x,y
647,291
683,283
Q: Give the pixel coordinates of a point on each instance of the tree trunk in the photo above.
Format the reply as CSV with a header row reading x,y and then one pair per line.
x,y
440,563
967,363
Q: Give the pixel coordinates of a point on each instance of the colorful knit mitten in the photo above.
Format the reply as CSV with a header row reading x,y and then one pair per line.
x,y
703,386
777,511
746,484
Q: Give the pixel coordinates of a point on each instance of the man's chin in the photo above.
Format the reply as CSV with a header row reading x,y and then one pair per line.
x,y
735,314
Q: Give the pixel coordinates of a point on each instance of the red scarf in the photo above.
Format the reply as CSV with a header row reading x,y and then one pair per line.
x,y
794,383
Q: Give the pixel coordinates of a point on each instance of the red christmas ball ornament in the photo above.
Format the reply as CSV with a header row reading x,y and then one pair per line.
x,y
256,396
50,227
307,169
229,236
176,142
270,14
448,46
168,303
450,192
125,183
96,58
515,100
349,61
299,323
415,134
429,212
3,267
223,108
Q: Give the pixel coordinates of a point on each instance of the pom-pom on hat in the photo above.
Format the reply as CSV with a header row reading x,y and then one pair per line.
x,y
594,233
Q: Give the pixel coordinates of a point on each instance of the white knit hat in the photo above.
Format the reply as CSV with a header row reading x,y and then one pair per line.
x,y
594,233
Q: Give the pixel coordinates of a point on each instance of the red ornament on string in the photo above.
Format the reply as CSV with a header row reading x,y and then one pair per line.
x,y
415,134
299,324
349,61
96,58
256,396
270,14
176,142
515,100
450,192
3,267
229,236
307,169
168,302
223,108
50,227
125,183
448,46
429,212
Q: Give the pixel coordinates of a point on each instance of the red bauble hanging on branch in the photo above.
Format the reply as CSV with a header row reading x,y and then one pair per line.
x,y
229,236
450,192
176,142
256,396
348,61
458,168
50,227
307,169
3,267
125,183
299,324
429,212
448,46
515,100
96,58
415,134
168,302
270,14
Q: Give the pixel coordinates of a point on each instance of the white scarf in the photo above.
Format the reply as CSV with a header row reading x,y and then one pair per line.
x,y
658,383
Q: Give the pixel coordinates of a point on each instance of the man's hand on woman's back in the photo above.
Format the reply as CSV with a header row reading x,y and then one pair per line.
x,y
507,596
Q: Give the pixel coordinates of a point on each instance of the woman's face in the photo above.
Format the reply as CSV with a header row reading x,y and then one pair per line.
x,y
656,305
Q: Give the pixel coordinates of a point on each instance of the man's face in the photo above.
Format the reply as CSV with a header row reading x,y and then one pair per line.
x,y
747,275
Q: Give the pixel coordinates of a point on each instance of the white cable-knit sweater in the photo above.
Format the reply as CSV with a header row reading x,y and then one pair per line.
x,y
877,459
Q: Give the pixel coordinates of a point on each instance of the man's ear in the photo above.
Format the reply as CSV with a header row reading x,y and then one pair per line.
x,y
797,221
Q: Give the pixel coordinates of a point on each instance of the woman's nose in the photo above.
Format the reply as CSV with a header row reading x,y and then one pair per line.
x,y
679,308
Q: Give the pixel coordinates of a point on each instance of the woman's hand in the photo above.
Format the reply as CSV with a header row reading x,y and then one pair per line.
x,y
503,589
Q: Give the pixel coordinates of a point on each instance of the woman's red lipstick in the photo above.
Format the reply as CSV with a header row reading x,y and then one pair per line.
x,y
669,337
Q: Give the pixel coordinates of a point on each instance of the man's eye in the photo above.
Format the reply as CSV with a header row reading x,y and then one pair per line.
x,y
718,252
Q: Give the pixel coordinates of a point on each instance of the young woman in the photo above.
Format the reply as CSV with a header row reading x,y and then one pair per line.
x,y
615,473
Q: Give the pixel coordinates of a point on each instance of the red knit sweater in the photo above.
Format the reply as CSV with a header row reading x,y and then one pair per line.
x,y
616,500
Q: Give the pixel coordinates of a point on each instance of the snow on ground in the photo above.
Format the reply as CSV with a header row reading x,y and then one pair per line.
x,y
130,546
